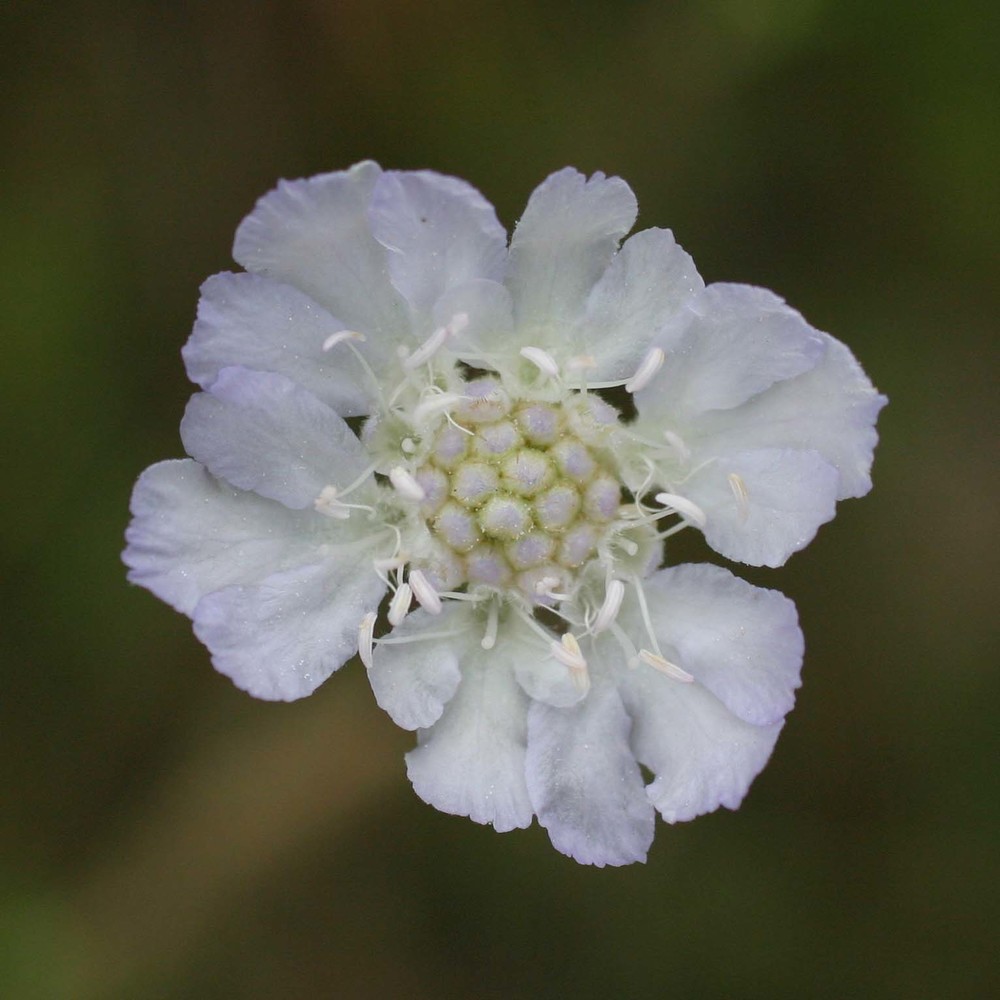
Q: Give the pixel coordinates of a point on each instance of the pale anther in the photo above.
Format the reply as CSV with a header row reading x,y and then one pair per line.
x,y
424,592
428,348
546,588
739,488
689,510
567,651
390,563
493,620
338,338
406,485
582,362
677,443
440,402
542,360
644,375
400,604
609,609
366,634
328,503
408,446
671,670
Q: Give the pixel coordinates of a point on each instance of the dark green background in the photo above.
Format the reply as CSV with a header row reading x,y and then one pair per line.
x,y
163,835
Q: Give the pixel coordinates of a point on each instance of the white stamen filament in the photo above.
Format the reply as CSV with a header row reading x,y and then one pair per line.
x,y
546,588
650,366
338,338
406,485
740,492
366,633
644,611
492,621
609,609
686,508
665,666
399,606
424,592
542,360
437,403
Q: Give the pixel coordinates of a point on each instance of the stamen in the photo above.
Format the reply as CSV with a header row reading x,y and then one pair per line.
x,y
399,606
338,338
686,508
408,446
582,362
424,592
567,651
665,666
609,609
437,403
677,443
406,485
542,360
490,637
739,488
366,633
644,611
436,341
328,504
650,366
545,588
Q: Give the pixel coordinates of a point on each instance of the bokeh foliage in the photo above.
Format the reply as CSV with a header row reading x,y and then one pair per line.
x,y
165,836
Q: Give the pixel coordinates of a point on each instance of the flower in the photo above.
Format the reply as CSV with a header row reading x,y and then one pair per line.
x,y
396,404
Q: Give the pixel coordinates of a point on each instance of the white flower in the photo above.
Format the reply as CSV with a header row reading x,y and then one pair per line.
x,y
515,520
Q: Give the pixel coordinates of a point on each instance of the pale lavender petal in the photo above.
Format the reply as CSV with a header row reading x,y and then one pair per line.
x,y
315,234
192,534
737,341
279,640
831,409
415,672
742,643
645,286
438,232
773,508
248,320
262,432
471,761
585,784
567,236
702,755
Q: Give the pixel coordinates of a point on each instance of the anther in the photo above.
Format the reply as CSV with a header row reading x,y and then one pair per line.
x,y
366,634
567,651
677,443
740,492
687,509
440,402
545,587
671,670
609,609
399,606
427,349
328,503
338,338
644,375
408,446
405,484
424,592
490,637
542,360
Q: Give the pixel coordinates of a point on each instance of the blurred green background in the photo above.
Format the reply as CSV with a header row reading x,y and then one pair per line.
x,y
164,836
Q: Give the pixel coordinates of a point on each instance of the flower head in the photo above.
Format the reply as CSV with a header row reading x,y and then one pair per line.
x,y
487,532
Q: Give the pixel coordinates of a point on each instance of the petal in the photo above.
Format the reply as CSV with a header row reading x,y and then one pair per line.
x,y
772,509
585,784
567,236
315,234
491,319
742,643
413,680
471,761
262,432
244,319
192,534
438,232
645,286
831,409
282,638
703,756
737,341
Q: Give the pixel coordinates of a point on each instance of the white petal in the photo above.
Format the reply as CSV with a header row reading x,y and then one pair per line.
x,y
438,232
703,756
244,319
567,236
315,234
471,761
262,432
585,784
737,341
786,496
413,681
282,638
831,409
741,642
491,320
192,534
539,673
644,287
